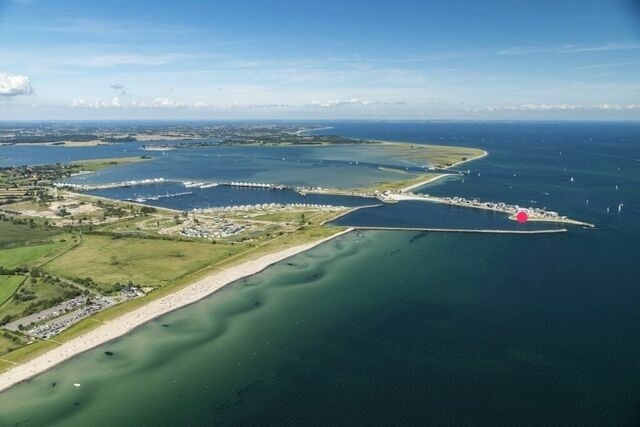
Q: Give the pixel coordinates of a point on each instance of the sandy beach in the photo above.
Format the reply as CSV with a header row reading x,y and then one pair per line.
x,y
125,323
421,183
484,154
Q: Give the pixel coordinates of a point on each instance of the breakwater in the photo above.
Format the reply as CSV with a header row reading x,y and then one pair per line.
x,y
462,230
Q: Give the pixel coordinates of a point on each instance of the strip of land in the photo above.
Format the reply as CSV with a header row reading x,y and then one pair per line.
x,y
534,214
128,321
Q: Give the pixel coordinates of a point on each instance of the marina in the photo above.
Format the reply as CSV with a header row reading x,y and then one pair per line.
x,y
158,197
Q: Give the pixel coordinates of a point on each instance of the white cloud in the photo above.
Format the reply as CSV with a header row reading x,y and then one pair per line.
x,y
608,107
239,106
558,107
14,85
168,103
354,101
165,103
98,103
314,104
115,102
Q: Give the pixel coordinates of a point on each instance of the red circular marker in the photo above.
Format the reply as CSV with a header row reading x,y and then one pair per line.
x,y
522,217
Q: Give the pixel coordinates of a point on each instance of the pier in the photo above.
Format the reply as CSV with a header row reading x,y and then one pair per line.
x,y
158,197
267,186
303,191
461,230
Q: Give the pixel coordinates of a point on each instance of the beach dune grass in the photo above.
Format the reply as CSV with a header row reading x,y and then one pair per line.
x,y
149,262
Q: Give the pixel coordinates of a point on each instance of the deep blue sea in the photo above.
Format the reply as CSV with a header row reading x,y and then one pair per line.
x,y
404,328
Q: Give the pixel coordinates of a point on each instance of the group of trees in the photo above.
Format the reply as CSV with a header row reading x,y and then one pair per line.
x,y
119,287
27,292
13,271
43,304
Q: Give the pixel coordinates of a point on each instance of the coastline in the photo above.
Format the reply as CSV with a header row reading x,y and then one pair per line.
x,y
124,324
191,293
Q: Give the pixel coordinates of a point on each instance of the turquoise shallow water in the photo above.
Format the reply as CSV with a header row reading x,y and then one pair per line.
x,y
404,328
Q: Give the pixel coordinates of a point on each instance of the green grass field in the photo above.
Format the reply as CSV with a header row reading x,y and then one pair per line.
x,y
12,235
30,255
155,262
8,285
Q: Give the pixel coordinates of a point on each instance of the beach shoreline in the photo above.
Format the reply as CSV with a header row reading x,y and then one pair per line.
x,y
484,154
423,183
129,321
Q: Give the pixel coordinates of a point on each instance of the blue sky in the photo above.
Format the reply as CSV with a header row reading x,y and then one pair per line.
x,y
62,59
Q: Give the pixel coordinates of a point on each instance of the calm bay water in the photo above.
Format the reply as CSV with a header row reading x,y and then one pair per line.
x,y
400,327
326,166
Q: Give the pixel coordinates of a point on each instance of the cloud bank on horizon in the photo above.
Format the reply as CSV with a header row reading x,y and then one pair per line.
x,y
244,59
